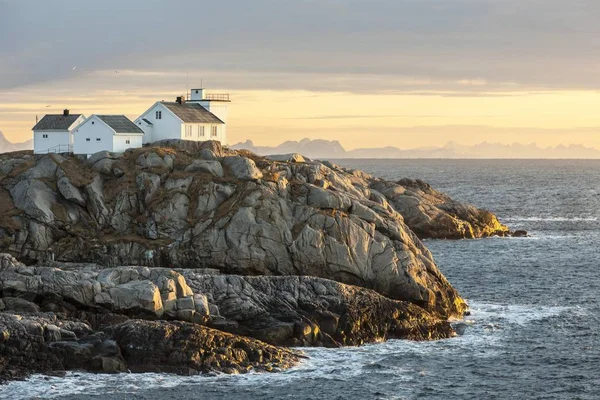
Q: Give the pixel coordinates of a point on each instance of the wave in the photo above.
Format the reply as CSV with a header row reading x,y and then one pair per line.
x,y
489,327
550,219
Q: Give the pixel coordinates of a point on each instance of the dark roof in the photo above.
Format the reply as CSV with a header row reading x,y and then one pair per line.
x,y
146,121
192,113
120,123
56,122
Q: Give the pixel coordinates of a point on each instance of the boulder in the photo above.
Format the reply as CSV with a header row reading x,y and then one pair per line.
x,y
137,295
35,198
69,191
211,167
291,157
242,168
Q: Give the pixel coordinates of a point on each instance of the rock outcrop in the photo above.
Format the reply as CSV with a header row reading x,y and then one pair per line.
x,y
165,242
190,205
431,214
48,343
112,319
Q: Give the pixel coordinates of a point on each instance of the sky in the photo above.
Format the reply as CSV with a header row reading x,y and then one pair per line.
x,y
404,73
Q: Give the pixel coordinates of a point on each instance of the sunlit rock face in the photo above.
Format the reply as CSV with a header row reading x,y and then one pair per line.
x,y
197,205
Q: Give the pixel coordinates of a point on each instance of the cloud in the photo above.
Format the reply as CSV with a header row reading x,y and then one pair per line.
x,y
350,45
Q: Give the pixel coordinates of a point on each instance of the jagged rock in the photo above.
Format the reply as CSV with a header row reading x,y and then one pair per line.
x,y
104,166
70,192
432,214
207,154
136,295
291,157
192,147
118,172
153,160
179,347
242,168
211,167
95,204
128,290
148,183
45,167
278,310
35,198
102,155
260,218
19,305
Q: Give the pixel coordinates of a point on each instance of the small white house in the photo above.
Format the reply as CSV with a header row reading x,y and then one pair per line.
x,y
54,133
114,133
200,117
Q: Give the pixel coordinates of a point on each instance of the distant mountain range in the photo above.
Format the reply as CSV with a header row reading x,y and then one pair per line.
x,y
6,146
333,149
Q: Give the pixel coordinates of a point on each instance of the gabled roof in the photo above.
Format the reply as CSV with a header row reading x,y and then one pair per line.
x,y
56,122
120,124
192,113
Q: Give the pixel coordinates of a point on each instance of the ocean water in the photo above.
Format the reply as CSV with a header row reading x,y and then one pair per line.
x,y
534,331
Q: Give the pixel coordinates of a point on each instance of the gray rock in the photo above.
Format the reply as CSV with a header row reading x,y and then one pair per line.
x,y
242,168
153,160
102,155
104,166
20,305
70,192
137,295
45,167
291,157
35,198
203,166
207,154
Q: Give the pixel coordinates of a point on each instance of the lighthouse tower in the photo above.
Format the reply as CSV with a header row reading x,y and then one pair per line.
x,y
216,103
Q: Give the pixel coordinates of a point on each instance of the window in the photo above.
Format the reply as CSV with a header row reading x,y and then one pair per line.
x,y
213,131
159,115
45,136
92,122
188,131
98,139
201,131
87,139
127,141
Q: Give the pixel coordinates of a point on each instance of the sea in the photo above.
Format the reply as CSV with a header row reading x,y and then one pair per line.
x,y
534,328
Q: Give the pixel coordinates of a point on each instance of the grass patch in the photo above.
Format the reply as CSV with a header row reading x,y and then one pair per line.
x,y
8,211
79,174
19,169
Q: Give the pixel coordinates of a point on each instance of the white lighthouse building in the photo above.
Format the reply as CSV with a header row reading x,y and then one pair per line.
x,y
198,116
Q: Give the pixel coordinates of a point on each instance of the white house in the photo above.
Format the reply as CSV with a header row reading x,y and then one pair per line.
x,y
200,117
106,132
54,133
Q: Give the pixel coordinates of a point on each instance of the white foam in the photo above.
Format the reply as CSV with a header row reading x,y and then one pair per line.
x,y
550,219
488,328
513,313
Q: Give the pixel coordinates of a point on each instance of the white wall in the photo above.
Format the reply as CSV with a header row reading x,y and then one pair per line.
x,y
55,138
196,130
148,129
168,127
221,110
120,142
93,129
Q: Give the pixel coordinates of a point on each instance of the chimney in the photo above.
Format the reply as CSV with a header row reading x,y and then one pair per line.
x,y
66,112
180,99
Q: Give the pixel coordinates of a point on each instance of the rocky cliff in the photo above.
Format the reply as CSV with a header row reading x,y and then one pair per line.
x,y
283,249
